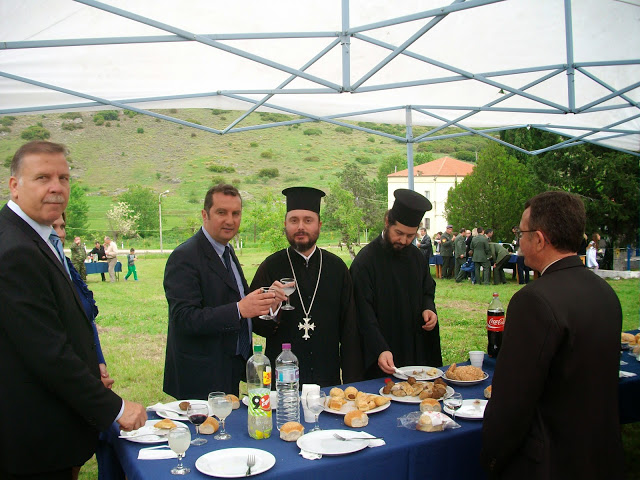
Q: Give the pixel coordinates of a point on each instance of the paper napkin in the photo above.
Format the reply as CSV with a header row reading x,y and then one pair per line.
x,y
626,374
156,453
310,455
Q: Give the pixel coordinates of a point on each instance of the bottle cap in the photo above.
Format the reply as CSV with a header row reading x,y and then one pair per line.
x,y
257,349
286,346
495,294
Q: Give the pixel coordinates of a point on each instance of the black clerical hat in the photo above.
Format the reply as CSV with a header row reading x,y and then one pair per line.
x,y
303,198
409,207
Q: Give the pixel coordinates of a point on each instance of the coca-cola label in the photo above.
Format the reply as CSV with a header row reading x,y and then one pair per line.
x,y
495,323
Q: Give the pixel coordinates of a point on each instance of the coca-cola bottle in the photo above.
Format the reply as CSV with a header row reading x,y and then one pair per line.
x,y
495,326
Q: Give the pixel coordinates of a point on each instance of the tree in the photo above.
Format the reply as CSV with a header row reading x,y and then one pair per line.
x,y
144,202
122,220
389,165
264,219
346,216
77,209
494,194
354,180
607,180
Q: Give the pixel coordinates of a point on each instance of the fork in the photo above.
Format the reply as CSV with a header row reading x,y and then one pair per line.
x,y
344,439
251,461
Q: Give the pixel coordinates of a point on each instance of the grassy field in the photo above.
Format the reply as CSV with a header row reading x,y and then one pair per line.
x,y
133,322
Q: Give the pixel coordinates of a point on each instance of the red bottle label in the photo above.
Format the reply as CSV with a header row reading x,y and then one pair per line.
x,y
495,323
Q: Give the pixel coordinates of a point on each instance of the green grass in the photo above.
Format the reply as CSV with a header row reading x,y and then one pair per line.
x,y
133,322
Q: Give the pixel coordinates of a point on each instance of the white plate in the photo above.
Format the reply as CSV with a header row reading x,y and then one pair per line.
x,y
273,399
351,405
407,399
232,462
155,435
175,405
408,372
324,443
462,383
470,409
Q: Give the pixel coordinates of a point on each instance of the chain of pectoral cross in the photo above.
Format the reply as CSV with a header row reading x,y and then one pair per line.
x,y
307,317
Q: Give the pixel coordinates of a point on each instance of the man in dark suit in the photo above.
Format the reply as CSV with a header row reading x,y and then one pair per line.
x,y
52,401
553,411
209,335
425,246
446,250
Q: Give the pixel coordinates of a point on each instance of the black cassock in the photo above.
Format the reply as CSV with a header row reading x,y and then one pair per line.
x,y
334,341
391,290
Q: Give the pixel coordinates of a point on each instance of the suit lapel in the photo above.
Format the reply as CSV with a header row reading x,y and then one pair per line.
x,y
245,286
215,263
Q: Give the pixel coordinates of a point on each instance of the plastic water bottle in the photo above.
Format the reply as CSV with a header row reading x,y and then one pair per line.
x,y
287,385
259,390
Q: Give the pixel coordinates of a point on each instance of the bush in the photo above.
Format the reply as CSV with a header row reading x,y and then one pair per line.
x,y
128,113
158,175
312,131
221,169
173,110
341,129
7,121
71,115
371,139
267,154
140,130
191,120
5,129
217,111
7,161
35,132
466,156
98,119
425,147
364,160
109,114
216,179
274,117
193,135
71,126
107,124
312,158
253,144
268,173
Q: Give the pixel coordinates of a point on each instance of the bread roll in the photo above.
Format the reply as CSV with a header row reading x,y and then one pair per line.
x,y
291,431
426,424
438,391
350,393
487,392
336,403
336,392
209,426
430,405
235,402
628,337
379,400
184,405
356,419
165,424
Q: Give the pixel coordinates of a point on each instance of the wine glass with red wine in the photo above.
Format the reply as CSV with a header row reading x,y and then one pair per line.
x,y
198,414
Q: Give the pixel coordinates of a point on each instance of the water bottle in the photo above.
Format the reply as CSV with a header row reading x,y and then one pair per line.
x,y
287,385
495,326
259,389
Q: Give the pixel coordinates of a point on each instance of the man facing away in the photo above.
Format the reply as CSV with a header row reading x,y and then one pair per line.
x,y
561,347
322,327
111,254
395,292
210,308
501,257
481,256
459,251
48,361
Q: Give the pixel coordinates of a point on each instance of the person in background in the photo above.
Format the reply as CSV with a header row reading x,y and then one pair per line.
x,y
500,256
395,293
131,265
561,347
98,250
436,241
459,251
78,256
446,250
591,256
481,256
425,245
111,254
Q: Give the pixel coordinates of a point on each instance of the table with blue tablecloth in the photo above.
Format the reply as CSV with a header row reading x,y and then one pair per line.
x,y
101,267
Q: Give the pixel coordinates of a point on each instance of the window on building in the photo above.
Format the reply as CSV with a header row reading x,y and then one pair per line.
x,y
427,194
427,223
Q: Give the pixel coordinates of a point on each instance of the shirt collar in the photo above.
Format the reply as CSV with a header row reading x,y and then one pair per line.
x,y
43,230
306,259
217,246
545,268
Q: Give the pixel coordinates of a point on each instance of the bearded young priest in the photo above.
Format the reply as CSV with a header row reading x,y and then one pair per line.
x,y
322,327
394,293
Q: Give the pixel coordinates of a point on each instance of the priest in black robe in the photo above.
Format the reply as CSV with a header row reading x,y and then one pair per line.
x,y
394,293
322,328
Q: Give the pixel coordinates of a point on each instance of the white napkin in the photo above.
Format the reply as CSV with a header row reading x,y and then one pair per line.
x,y
310,455
626,374
156,453
372,443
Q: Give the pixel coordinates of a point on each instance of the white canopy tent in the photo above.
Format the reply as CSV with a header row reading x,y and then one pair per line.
x,y
571,68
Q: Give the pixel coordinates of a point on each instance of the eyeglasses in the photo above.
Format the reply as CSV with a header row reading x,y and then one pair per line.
x,y
519,232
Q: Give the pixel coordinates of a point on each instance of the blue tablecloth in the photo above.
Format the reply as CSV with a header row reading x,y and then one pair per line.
x,y
101,267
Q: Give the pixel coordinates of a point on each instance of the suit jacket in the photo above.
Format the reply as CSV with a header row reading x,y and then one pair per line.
x,y
460,246
48,363
425,246
498,252
480,247
553,411
203,321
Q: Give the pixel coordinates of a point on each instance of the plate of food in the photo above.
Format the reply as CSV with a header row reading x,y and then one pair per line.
x,y
341,402
418,372
429,392
178,410
150,433
232,462
465,375
323,442
471,409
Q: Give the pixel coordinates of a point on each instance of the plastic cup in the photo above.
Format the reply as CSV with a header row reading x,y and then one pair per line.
x,y
476,357
307,388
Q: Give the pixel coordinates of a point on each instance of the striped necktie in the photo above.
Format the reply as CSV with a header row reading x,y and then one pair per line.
x,y
57,244
244,342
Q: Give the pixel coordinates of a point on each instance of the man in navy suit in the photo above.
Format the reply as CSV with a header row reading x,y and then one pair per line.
x,y
52,401
210,307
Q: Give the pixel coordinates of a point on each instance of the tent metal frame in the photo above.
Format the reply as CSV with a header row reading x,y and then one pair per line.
x,y
325,86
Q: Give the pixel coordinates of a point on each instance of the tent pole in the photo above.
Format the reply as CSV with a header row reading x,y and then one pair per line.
x,y
568,28
409,146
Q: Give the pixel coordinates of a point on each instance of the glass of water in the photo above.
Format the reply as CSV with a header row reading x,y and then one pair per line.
x,y
179,441
221,408
289,288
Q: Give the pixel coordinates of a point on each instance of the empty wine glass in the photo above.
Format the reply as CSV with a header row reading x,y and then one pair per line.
x,y
267,316
289,288
198,414
179,441
454,402
221,408
315,403
211,396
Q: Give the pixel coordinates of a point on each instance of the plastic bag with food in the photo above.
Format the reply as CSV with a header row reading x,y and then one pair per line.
x,y
427,421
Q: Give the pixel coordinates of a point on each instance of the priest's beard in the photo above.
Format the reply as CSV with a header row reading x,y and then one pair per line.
x,y
394,248
303,241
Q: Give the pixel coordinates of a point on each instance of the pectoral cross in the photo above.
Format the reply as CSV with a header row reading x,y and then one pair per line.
x,y
306,326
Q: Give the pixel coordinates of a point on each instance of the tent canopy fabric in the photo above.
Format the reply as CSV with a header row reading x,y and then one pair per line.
x,y
566,67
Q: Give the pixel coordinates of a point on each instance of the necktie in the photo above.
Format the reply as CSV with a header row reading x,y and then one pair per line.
x,y
57,244
244,342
